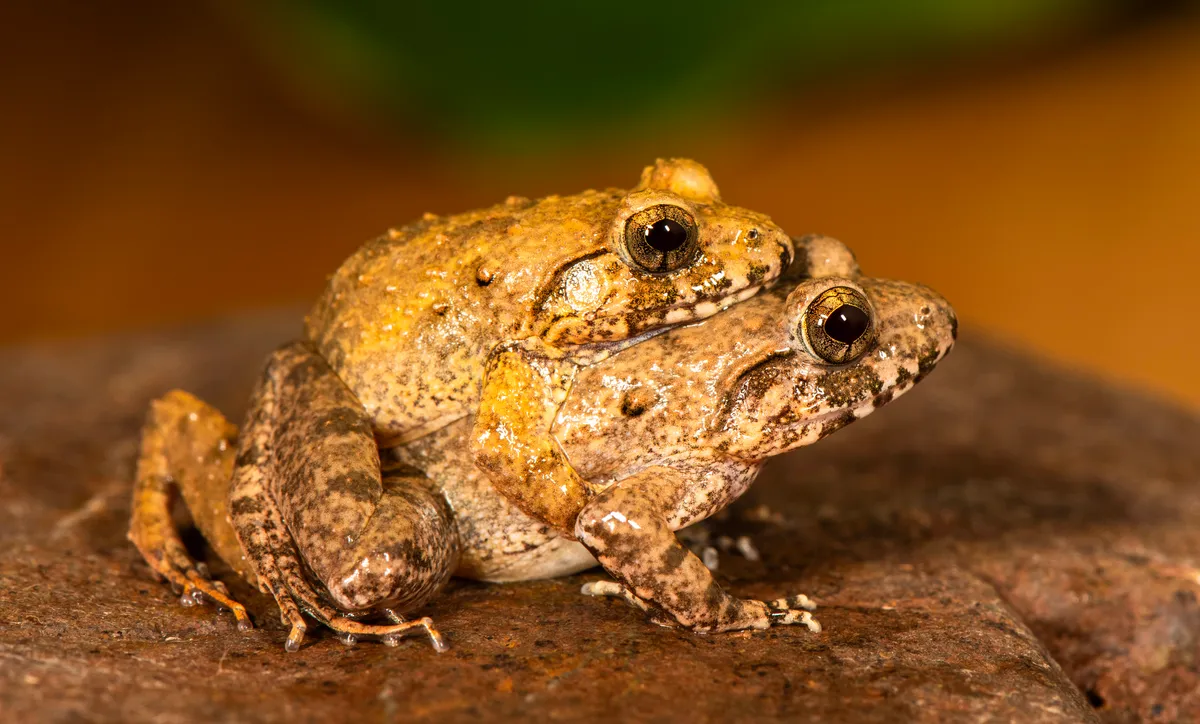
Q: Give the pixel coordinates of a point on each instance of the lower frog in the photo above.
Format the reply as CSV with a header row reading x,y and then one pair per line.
x,y
668,432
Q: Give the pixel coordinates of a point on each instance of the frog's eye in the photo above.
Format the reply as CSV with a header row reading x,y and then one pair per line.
x,y
838,325
661,239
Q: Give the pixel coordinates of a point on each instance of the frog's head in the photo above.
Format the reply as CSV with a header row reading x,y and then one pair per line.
x,y
671,253
849,346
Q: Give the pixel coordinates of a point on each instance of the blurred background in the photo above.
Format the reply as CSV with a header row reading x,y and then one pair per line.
x,y
1037,161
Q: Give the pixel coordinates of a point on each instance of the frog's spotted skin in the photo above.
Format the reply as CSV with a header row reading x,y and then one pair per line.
x,y
666,432
493,311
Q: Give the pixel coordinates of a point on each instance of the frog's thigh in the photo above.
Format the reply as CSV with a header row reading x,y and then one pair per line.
x,y
373,542
186,444
626,527
512,442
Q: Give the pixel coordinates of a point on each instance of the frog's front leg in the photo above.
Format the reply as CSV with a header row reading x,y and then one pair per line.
x,y
523,389
628,528
308,495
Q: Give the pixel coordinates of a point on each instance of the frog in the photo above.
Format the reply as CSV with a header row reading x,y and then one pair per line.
x,y
668,432
487,314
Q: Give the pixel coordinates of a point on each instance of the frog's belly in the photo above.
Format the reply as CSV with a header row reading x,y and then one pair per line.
x,y
554,557
500,543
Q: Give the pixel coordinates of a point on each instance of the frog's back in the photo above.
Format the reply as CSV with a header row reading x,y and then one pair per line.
x,y
408,320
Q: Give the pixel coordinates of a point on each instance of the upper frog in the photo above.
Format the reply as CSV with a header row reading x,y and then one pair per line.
x,y
495,309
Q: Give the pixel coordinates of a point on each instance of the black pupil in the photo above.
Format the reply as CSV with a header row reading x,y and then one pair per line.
x,y
666,235
847,324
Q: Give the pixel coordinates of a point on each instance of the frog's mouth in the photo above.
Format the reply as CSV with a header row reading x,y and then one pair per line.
x,y
652,325
799,416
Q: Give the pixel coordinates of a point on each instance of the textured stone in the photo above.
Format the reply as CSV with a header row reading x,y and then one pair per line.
x,y
1003,519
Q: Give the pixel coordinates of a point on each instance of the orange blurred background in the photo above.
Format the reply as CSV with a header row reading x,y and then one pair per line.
x,y
159,167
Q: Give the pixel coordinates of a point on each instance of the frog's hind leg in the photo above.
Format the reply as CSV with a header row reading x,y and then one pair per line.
x,y
309,496
188,445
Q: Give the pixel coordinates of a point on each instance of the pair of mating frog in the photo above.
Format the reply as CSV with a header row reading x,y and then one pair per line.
x,y
526,390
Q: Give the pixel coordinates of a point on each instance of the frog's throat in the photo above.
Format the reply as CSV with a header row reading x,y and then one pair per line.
x,y
811,428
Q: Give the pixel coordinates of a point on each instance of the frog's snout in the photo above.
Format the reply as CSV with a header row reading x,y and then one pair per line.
x,y
914,321
938,323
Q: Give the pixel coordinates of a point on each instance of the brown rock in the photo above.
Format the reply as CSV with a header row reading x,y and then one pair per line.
x,y
1003,519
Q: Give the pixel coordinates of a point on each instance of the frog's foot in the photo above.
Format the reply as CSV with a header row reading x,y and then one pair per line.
x,y
196,587
191,580
349,631
780,612
614,590
296,597
793,610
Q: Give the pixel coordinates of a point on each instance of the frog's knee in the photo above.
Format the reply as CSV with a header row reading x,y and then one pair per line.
x,y
403,578
374,584
406,554
601,525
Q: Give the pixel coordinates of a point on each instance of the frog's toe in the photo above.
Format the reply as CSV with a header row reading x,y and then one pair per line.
x,y
794,610
295,637
797,601
612,589
743,545
349,631
191,583
201,589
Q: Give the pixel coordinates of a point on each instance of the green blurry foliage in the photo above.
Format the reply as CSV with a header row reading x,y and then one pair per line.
x,y
511,72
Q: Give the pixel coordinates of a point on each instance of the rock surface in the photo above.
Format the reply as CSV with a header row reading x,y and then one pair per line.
x,y
1008,543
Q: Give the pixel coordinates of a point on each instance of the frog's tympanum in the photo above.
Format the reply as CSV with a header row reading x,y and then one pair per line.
x,y
362,479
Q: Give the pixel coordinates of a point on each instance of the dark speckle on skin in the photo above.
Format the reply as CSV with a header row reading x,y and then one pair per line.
x,y
837,423
927,361
248,454
674,559
245,506
342,421
845,386
636,401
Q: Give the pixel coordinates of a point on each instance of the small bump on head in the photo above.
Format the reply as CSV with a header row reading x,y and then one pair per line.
x,y
681,176
827,257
